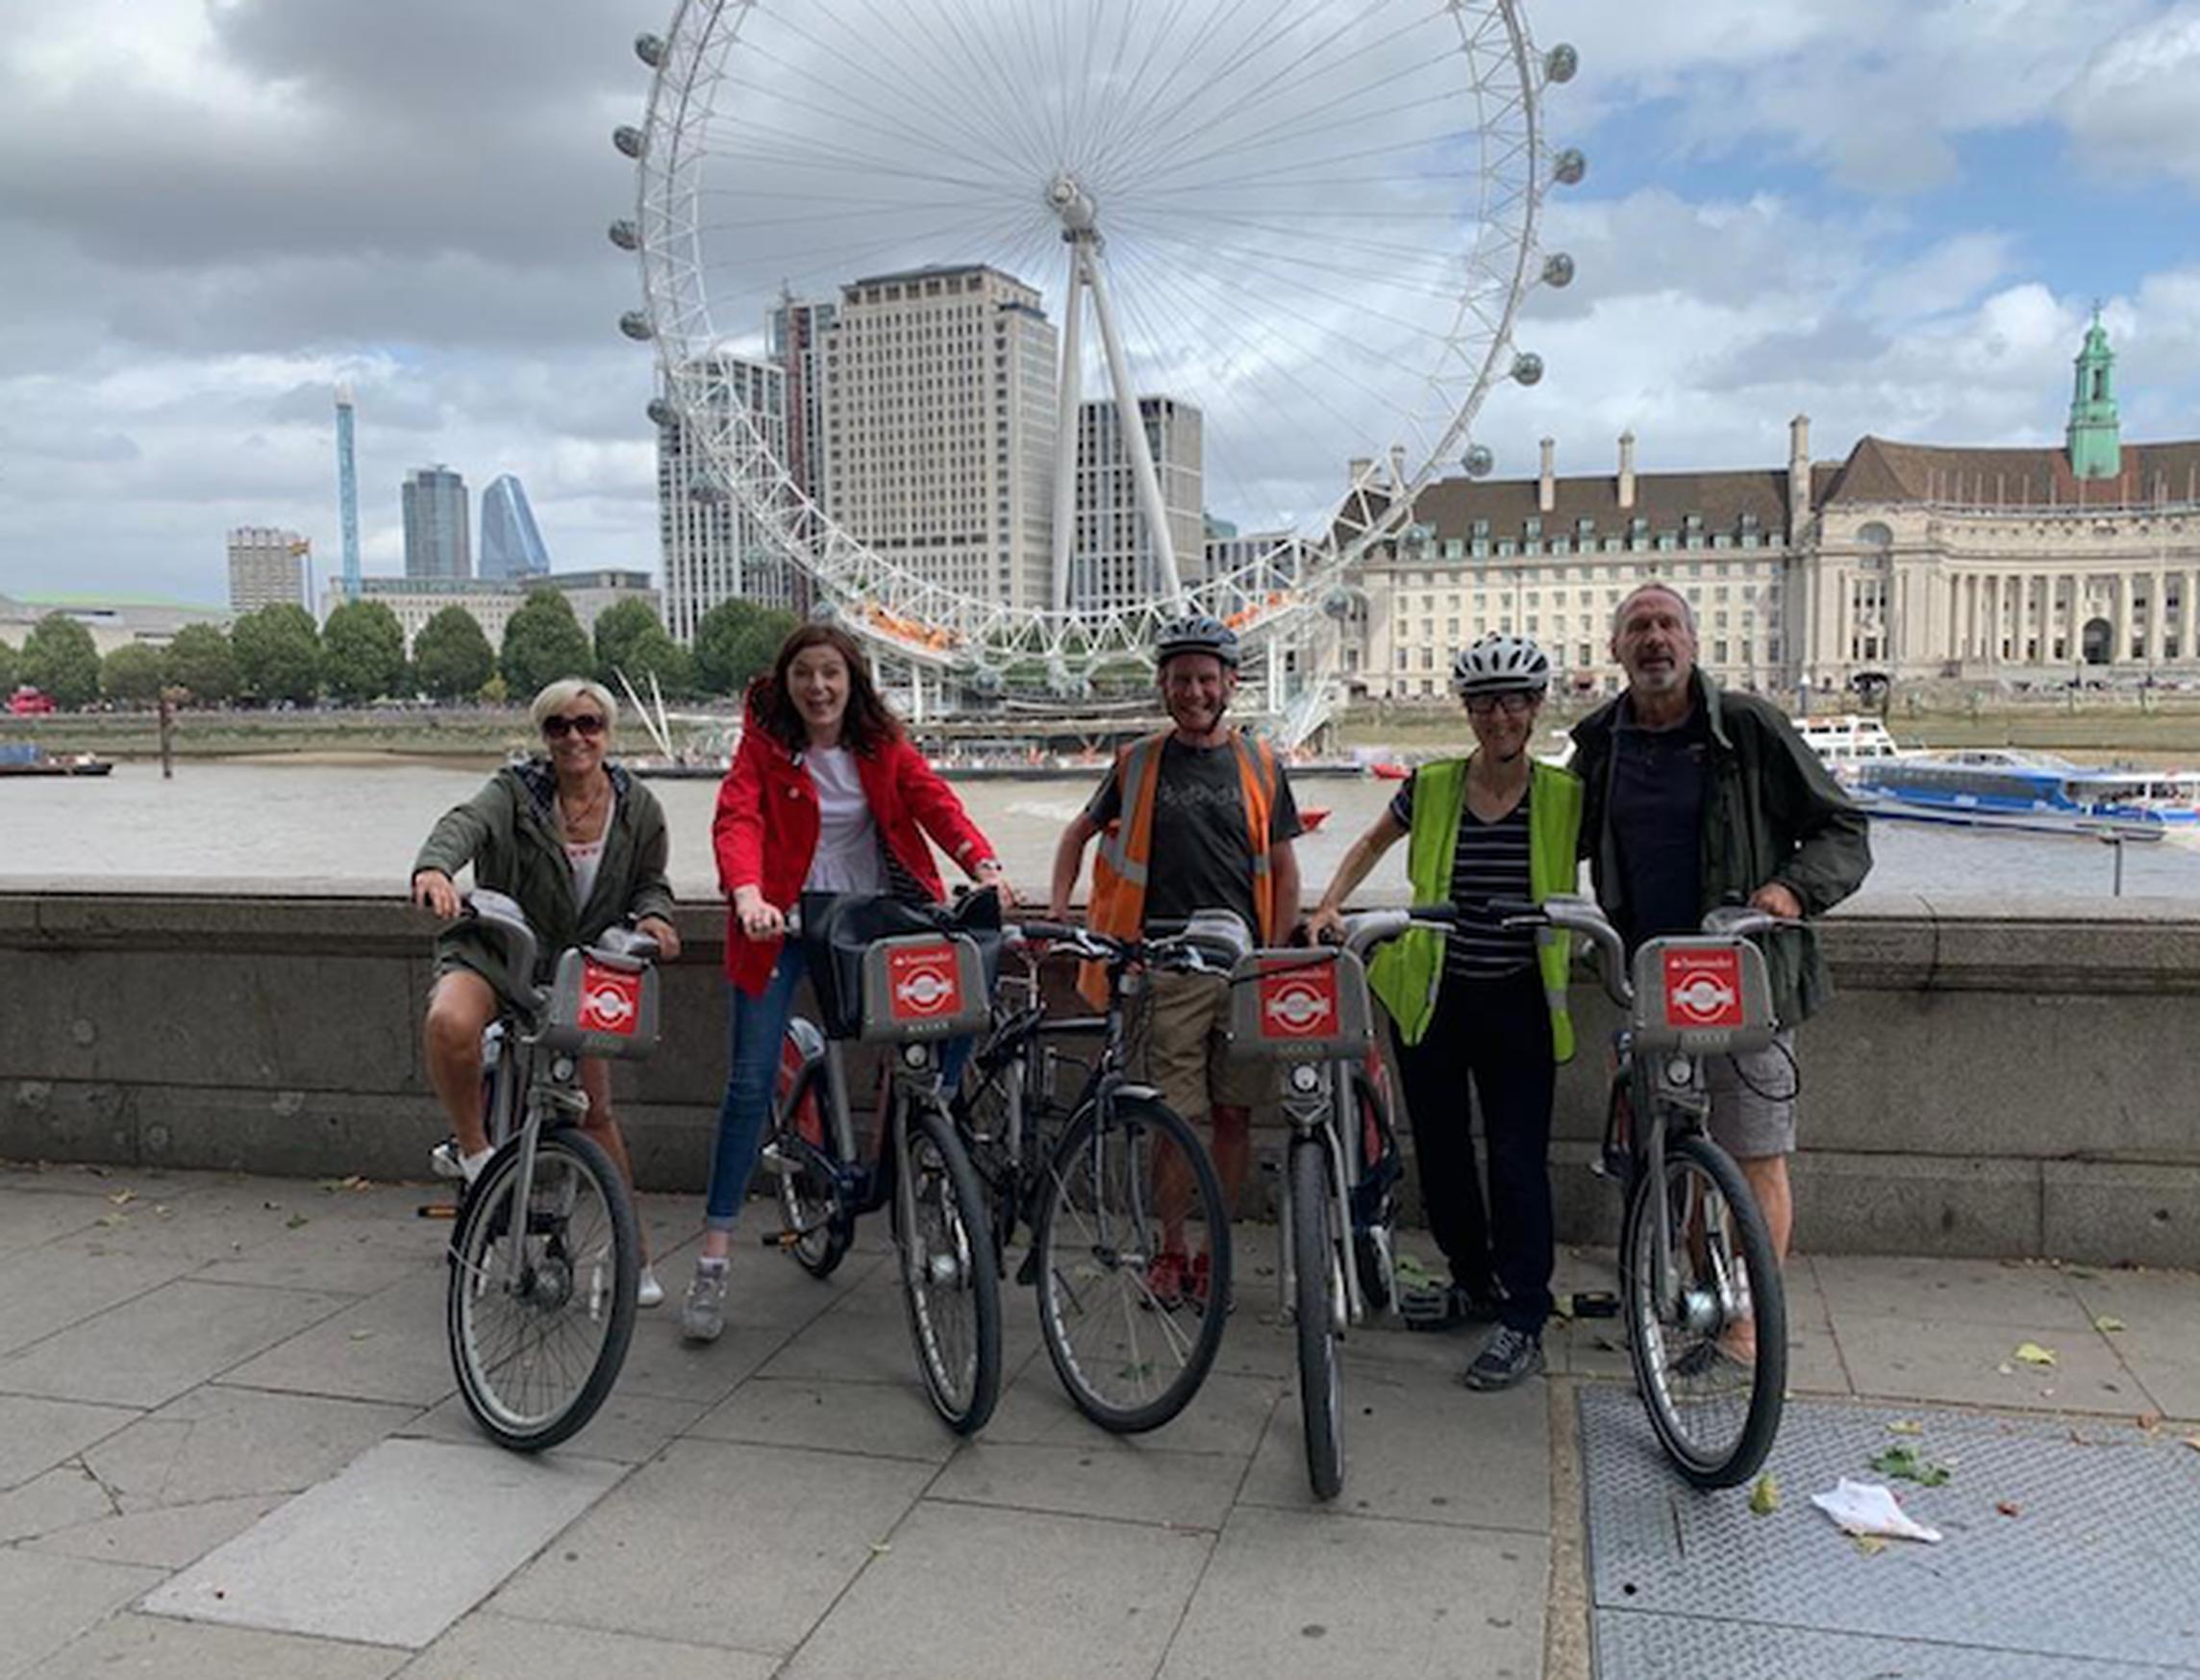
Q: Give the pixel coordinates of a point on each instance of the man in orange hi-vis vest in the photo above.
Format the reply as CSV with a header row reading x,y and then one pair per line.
x,y
1199,817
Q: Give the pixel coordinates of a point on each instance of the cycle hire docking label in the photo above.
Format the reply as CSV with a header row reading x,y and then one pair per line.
x,y
611,1000
1299,1003
924,982
1703,988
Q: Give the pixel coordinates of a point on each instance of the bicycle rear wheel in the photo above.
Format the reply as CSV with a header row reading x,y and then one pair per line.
x,y
1130,1357
950,1283
1320,1290
800,1159
541,1300
1714,1415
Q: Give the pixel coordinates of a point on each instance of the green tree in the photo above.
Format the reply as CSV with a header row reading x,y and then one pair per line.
x,y
9,660
278,654
201,660
542,642
736,640
60,660
132,674
620,628
451,657
362,652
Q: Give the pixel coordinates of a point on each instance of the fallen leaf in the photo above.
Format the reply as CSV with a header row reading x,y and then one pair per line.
x,y
1765,1496
1870,1545
2107,1322
879,1547
2150,1421
2194,1441
2032,1353
2005,1368
1903,1461
2084,1271
122,1198
2008,1507
362,1335
1906,1426
294,1222
110,1221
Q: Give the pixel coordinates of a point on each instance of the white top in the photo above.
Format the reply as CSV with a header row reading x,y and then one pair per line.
x,y
847,856
586,858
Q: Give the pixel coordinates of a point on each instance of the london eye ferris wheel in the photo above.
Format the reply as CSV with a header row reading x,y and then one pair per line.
x,y
1308,225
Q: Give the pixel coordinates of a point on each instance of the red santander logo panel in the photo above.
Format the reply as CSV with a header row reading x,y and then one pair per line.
x,y
611,1001
1299,1003
1703,988
924,982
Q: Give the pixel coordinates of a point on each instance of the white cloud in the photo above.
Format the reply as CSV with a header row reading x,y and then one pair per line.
x,y
2136,105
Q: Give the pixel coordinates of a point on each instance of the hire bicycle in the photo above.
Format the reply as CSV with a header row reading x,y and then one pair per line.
x,y
547,1253
1130,1234
1308,1009
1695,1260
906,977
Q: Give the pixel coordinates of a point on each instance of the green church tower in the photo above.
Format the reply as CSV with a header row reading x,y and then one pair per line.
x,y
2096,447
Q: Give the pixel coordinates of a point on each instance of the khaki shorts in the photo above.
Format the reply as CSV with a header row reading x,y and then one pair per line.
x,y
1179,1045
1753,1099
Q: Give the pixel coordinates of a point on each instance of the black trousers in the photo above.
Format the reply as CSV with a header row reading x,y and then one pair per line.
x,y
1497,1034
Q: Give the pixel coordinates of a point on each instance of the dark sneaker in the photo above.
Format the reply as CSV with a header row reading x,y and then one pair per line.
x,y
1444,1307
1508,1357
1712,1357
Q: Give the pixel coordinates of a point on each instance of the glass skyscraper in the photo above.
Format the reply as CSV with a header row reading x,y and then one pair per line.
x,y
511,542
437,542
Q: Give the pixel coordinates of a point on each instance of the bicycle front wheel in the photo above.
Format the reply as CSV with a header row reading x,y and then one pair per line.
x,y
1130,1338
541,1299
1318,1292
1711,1351
950,1283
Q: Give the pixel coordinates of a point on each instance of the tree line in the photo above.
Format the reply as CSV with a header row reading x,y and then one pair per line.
x,y
277,656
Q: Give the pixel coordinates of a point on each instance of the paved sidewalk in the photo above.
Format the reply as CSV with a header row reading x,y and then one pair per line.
x,y
229,1445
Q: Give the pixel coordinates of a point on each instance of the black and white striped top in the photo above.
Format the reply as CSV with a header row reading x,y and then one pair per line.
x,y
1491,862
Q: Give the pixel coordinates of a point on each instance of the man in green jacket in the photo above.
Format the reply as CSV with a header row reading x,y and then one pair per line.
x,y
1694,797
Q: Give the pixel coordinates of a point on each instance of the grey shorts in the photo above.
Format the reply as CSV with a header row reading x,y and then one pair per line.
x,y
1753,1099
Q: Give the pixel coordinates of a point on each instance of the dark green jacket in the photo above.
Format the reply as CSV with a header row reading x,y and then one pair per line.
x,y
509,833
1772,812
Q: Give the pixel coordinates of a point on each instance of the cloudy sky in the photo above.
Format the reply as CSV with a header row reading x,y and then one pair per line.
x,y
1893,214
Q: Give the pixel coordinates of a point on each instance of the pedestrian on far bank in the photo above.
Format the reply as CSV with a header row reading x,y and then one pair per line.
x,y
579,846
1481,1006
1199,817
826,794
1698,797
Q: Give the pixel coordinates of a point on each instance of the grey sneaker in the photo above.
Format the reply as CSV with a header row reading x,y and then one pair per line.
x,y
703,1313
1508,1357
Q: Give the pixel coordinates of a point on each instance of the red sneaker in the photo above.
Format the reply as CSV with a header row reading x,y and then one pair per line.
x,y
1202,1286
1165,1275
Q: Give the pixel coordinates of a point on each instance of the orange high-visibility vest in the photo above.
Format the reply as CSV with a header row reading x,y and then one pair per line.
x,y
1120,867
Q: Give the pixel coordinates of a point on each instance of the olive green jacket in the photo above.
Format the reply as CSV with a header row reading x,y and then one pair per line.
x,y
509,833
1772,812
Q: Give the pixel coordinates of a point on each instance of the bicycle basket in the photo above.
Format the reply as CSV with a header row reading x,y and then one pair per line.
x,y
1300,1005
1702,993
841,931
602,1004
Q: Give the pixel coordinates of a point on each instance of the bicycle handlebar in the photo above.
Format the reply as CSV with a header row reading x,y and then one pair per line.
x,y
1182,952
1580,914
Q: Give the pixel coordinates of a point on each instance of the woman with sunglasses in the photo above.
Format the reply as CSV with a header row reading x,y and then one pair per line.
x,y
827,795
581,845
1483,1002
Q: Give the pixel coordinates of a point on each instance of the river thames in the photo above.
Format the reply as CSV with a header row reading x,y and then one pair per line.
x,y
357,825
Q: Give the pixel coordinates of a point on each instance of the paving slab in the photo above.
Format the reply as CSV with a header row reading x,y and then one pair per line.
x,y
1374,1599
45,1602
181,1650
965,1593
1226,1417
65,1496
720,1545
627,1429
2094,1565
168,1536
217,1443
833,1416
2032,1297
862,1338
1963,1364
1127,1479
393,1346
157,1346
52,1287
36,1435
28,1218
486,1646
1418,1446
393,1550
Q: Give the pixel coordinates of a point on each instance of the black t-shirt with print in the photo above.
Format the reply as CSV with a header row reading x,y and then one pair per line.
x,y
1202,856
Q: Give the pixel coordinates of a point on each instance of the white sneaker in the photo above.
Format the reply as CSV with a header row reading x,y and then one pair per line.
x,y
443,1160
703,1315
651,1293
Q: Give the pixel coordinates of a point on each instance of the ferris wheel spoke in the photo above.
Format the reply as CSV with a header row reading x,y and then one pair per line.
x,y
1164,223
820,154
1350,122
843,262
1132,104
979,45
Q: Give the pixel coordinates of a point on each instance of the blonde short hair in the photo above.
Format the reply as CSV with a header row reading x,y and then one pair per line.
x,y
564,691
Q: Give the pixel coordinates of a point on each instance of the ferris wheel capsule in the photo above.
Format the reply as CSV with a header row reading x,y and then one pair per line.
x,y
1569,167
635,324
1557,269
1528,368
1479,462
1561,64
625,235
649,49
630,140
662,413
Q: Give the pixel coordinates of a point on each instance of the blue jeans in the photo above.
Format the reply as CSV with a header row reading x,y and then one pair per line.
x,y
755,1027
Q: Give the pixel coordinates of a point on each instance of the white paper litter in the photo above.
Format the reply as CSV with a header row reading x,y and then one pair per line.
x,y
1867,1508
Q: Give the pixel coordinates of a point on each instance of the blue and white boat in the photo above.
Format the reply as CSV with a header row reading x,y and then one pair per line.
x,y
2036,792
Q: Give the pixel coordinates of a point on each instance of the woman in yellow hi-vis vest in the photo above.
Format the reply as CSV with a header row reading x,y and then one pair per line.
x,y
1482,1002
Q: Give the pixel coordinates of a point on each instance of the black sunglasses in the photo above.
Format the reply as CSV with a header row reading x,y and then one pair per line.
x,y
589,725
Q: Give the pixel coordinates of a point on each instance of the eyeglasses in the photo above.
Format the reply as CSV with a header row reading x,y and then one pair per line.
x,y
587,726
1511,705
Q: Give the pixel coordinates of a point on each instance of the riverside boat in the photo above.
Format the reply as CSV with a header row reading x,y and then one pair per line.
x,y
24,759
1846,743
2035,793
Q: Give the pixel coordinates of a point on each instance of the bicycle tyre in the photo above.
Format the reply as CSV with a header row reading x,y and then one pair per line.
x,y
1705,1466
809,1200
1094,1257
1371,1112
950,1284
1314,1259
530,1371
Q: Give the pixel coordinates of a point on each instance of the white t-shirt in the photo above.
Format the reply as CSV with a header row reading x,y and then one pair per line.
x,y
587,859
847,856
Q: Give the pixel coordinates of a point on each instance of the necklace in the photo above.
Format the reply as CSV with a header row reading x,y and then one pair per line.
x,y
583,820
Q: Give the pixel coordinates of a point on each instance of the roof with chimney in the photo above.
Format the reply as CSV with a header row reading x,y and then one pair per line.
x,y
1880,470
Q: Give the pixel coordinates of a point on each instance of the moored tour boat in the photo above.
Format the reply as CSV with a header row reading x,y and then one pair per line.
x,y
2036,792
24,759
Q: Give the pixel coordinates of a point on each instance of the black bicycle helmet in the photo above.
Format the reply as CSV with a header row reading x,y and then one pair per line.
x,y
1197,633
1501,664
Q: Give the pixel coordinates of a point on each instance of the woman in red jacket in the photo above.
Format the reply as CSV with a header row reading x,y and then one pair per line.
x,y
826,794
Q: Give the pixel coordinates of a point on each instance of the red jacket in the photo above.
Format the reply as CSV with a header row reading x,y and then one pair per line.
x,y
766,831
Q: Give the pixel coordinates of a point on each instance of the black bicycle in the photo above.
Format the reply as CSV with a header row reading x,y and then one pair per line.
x,y
1130,1234
1706,1313
905,977
547,1253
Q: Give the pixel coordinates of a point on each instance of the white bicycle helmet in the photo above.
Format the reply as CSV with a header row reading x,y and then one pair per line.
x,y
1199,633
1501,664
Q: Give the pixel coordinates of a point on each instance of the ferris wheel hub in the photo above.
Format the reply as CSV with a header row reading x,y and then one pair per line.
x,y
1071,201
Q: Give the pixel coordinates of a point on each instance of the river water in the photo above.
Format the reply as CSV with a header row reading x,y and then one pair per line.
x,y
276,821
